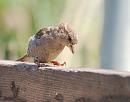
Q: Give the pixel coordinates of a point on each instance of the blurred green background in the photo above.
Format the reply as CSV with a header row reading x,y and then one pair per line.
x,y
19,19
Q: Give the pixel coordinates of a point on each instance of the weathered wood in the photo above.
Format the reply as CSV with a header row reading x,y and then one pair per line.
x,y
23,82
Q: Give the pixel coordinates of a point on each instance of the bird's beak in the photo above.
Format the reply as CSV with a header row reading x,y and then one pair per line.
x,y
71,47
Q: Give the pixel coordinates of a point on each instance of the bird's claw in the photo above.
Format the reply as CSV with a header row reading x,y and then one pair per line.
x,y
57,63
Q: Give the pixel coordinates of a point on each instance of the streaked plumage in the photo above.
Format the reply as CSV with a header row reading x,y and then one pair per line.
x,y
48,42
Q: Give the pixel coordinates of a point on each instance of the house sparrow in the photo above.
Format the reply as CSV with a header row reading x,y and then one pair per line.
x,y
48,43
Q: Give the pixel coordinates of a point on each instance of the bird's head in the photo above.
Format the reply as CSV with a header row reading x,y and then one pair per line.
x,y
68,36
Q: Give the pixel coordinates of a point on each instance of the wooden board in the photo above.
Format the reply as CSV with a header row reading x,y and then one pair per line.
x,y
23,82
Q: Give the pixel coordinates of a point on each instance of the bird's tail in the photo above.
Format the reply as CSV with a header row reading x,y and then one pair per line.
x,y
24,58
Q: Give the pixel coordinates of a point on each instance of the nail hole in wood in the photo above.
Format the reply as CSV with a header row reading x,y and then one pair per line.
x,y
59,97
14,89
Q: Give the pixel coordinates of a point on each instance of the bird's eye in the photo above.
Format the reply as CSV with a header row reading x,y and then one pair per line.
x,y
69,39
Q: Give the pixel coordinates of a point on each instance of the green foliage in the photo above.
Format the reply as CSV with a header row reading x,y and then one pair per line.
x,y
35,14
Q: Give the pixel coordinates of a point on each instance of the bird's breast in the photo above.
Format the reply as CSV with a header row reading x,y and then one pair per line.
x,y
45,49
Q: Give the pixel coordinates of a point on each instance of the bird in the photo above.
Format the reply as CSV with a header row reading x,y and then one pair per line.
x,y
49,42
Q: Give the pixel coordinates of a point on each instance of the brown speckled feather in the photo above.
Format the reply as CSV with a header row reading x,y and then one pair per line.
x,y
48,42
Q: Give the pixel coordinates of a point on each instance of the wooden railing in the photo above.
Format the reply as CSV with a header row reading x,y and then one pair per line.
x,y
23,82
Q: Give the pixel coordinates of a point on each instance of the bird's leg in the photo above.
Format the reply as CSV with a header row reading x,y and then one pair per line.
x,y
36,61
57,63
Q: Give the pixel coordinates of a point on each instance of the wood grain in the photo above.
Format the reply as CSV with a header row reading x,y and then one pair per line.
x,y
23,82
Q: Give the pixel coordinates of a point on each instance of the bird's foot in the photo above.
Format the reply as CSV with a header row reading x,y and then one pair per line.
x,y
57,63
41,65
36,61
